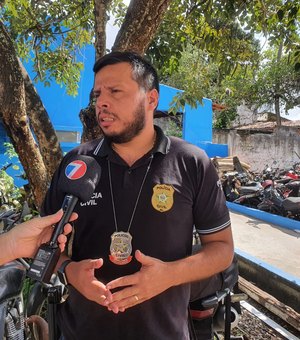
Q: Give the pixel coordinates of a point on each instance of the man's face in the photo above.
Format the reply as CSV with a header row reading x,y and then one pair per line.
x,y
120,103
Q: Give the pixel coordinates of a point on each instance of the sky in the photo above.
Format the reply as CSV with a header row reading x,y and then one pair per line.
x,y
293,114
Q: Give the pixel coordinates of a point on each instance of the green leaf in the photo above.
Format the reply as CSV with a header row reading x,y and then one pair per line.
x,y
280,14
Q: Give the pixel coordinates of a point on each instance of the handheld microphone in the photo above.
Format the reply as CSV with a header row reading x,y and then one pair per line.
x,y
78,182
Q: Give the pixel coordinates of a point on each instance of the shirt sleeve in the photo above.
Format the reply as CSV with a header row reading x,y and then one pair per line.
x,y
210,211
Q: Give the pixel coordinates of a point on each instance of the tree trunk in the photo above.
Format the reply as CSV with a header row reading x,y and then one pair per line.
x,y
15,120
87,116
101,17
141,22
91,129
277,109
42,127
277,89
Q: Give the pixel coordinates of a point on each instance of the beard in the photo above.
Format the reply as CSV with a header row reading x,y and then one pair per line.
x,y
131,129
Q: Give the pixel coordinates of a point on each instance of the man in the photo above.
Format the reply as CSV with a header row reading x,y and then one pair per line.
x,y
24,239
131,254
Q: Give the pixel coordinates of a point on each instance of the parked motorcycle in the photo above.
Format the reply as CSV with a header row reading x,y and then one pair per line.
x,y
250,195
214,308
292,188
12,325
274,190
230,185
18,320
275,203
239,189
214,317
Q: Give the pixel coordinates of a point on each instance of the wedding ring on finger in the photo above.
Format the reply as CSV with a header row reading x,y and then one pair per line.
x,y
136,298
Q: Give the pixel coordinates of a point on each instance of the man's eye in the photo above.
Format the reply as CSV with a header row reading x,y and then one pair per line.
x,y
94,98
115,90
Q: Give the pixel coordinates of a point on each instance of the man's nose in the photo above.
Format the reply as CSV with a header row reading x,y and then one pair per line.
x,y
102,100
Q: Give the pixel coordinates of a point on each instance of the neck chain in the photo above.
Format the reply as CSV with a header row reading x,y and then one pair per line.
x,y
153,144
120,247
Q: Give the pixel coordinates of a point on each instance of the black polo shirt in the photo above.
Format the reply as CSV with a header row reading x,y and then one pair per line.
x,y
181,190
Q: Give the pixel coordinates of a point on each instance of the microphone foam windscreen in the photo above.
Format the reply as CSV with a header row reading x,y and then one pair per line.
x,y
80,177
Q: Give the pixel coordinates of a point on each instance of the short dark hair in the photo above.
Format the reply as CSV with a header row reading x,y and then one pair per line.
x,y
142,71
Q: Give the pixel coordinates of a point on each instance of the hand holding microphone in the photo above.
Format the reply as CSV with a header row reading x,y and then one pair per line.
x,y
78,182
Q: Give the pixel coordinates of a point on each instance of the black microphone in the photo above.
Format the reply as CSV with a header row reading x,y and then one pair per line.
x,y
78,182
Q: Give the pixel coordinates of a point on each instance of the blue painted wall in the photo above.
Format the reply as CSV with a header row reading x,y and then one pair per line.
x,y
197,129
197,122
62,108
166,95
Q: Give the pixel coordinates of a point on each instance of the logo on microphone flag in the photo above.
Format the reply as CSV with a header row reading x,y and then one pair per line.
x,y
76,169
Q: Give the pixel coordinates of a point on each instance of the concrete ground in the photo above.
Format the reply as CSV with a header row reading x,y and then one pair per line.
x,y
273,245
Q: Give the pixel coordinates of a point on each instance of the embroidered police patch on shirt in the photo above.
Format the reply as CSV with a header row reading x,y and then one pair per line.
x,y
163,197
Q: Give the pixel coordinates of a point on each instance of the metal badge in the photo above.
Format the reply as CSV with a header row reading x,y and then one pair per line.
x,y
120,248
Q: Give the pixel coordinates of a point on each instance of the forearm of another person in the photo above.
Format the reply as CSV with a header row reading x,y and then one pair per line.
x,y
7,253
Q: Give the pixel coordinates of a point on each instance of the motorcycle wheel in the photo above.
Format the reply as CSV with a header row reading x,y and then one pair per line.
x,y
252,202
277,211
37,305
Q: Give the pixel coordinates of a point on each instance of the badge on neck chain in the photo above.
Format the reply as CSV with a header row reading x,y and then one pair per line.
x,y
120,248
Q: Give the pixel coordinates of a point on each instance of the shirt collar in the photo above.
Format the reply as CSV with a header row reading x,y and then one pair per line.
x,y
162,144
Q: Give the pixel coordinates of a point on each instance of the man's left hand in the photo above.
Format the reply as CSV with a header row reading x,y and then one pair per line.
x,y
151,280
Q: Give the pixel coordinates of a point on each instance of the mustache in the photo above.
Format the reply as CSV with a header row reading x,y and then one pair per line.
x,y
106,111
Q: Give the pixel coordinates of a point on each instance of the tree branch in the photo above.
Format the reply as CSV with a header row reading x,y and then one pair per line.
x,y
141,22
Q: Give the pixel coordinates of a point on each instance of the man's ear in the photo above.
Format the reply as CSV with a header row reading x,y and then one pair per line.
x,y
153,97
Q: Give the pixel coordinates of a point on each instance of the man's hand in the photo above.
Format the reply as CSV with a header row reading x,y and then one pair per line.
x,y
81,275
151,280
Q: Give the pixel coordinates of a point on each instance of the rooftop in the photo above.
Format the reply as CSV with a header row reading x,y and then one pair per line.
x,y
269,126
